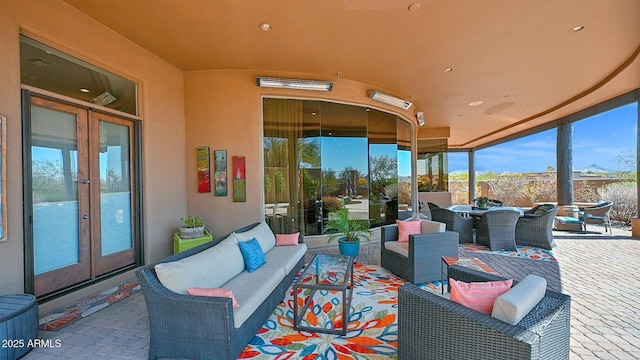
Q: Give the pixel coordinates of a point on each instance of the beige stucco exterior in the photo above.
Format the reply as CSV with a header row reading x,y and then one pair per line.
x,y
161,104
180,111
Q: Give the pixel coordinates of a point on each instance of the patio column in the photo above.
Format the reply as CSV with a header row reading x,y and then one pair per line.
x,y
638,156
472,176
565,164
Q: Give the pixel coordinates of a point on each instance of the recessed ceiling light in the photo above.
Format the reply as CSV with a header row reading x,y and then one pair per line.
x,y
476,103
460,115
84,90
265,26
448,70
577,28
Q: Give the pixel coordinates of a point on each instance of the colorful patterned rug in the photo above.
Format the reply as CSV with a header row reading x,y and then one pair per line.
x,y
525,252
372,329
86,307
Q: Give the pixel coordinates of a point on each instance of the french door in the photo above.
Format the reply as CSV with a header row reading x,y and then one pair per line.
x,y
79,195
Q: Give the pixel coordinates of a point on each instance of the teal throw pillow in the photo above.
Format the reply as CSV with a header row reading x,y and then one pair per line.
x,y
252,254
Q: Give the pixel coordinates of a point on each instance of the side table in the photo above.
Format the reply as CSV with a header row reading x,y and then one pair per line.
x,y
180,244
18,325
472,263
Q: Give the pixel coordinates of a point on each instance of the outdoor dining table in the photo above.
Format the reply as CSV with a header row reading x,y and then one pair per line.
x,y
468,210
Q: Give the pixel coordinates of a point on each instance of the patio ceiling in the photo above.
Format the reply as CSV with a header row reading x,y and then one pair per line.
x,y
520,58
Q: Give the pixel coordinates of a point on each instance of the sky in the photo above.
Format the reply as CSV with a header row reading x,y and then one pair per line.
x,y
340,152
597,140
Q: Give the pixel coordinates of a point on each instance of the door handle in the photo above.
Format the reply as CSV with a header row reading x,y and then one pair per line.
x,y
86,181
85,217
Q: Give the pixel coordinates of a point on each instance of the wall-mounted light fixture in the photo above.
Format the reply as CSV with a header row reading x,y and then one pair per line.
x,y
388,99
420,118
296,84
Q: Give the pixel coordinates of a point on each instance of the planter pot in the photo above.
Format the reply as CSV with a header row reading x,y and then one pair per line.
x,y
635,227
349,248
191,232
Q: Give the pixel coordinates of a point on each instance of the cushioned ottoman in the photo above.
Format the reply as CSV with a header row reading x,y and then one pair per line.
x,y
18,325
567,223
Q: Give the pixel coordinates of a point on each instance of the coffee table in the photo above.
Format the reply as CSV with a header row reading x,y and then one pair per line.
x,y
472,263
333,273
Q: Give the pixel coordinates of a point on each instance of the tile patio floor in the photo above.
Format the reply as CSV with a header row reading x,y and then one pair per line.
x,y
597,270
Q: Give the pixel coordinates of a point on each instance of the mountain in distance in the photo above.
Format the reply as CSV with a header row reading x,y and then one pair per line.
x,y
593,169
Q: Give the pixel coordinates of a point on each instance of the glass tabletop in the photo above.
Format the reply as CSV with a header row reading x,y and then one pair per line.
x,y
327,270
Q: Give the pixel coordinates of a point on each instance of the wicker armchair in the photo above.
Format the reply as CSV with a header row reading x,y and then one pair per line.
x,y
497,229
421,263
432,327
598,214
454,221
536,230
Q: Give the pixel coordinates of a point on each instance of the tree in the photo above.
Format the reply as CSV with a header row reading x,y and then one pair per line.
x,y
48,182
308,153
628,162
383,171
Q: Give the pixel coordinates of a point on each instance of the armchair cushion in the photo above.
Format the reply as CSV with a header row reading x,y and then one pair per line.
x,y
428,226
478,296
406,228
542,209
515,304
401,248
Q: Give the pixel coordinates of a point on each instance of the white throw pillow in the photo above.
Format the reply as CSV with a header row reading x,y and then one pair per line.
x,y
262,232
515,304
207,269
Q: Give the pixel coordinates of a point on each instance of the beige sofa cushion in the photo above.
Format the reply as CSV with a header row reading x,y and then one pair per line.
x,y
207,269
262,232
285,257
251,289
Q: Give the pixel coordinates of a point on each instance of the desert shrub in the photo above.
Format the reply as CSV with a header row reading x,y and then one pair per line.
x,y
624,196
508,188
541,189
585,191
331,203
459,192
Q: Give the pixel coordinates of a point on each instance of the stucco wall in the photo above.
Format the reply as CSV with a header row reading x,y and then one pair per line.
x,y
162,110
223,110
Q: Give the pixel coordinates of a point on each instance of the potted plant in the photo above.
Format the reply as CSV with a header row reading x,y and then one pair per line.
x,y
348,231
482,202
193,227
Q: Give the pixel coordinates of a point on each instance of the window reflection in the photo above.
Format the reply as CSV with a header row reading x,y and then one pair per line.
x,y
320,157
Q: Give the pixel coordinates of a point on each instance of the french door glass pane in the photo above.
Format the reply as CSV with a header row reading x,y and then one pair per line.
x,y
54,175
115,188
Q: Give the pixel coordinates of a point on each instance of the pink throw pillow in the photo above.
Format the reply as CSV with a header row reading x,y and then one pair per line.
x,y
478,296
214,292
406,228
287,239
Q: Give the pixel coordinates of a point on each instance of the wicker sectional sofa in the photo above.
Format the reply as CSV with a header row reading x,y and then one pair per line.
x,y
199,327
